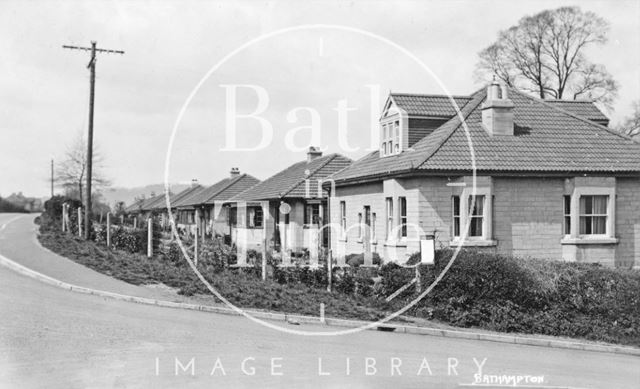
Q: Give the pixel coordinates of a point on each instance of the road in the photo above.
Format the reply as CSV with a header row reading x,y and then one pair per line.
x,y
53,338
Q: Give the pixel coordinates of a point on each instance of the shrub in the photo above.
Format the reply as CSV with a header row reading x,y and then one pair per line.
x,y
355,260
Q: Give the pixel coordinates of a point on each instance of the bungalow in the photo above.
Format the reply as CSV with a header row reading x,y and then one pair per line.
x,y
552,181
208,207
184,213
287,211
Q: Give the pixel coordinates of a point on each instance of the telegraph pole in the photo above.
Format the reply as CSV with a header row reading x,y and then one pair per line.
x,y
51,177
92,68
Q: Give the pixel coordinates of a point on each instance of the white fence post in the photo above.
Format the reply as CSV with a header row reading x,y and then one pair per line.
x,y
64,206
329,270
80,222
108,230
195,237
149,238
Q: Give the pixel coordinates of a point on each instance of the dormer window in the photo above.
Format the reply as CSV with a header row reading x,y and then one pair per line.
x,y
390,137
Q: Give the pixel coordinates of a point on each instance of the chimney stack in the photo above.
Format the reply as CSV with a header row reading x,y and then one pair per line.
x,y
194,182
497,110
235,172
313,153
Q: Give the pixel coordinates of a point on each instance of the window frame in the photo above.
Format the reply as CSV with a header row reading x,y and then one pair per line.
x,y
593,216
456,220
566,215
472,216
257,219
402,216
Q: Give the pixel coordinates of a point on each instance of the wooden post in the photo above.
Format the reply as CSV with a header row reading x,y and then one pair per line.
x,y
80,222
149,238
108,230
195,237
265,222
67,219
121,219
418,281
64,207
135,222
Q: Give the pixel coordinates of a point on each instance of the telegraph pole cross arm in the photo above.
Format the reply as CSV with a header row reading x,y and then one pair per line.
x,y
92,67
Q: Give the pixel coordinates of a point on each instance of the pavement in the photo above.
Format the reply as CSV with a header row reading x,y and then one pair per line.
x,y
51,337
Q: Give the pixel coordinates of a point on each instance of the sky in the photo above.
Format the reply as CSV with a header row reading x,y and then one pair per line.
x,y
311,72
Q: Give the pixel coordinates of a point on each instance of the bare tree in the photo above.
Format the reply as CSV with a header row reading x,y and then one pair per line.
x,y
631,125
544,54
70,173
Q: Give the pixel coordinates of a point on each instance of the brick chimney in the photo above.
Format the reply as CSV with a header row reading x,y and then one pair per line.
x,y
313,153
194,182
497,111
235,172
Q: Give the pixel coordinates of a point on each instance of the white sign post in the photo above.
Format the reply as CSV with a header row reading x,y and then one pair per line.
x,y
149,238
427,250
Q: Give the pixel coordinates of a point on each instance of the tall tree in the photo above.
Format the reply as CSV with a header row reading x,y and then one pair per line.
x,y
545,54
70,173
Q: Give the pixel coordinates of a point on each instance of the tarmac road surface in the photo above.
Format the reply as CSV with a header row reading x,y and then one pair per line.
x,y
53,338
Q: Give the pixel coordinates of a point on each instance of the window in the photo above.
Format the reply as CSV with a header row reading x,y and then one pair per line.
x,y
567,215
389,205
343,217
593,215
233,217
360,225
396,130
390,138
477,215
367,221
402,203
373,227
312,214
455,205
254,217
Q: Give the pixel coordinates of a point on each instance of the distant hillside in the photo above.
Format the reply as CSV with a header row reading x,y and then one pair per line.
x,y
115,194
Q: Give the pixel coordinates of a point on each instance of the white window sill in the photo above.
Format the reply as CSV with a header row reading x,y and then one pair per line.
x,y
474,243
397,243
589,240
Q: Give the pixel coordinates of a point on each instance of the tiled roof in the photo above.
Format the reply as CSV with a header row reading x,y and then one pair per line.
x,y
221,190
290,182
586,109
182,199
428,105
154,203
144,204
234,188
546,139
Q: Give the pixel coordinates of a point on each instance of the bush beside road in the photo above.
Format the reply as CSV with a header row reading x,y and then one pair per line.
x,y
481,290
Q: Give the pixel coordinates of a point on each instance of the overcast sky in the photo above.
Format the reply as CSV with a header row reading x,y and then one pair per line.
x,y
170,46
